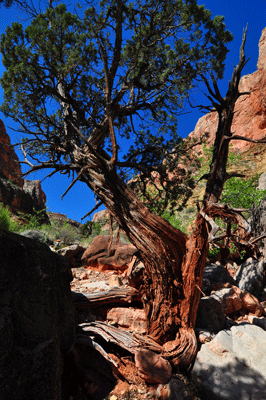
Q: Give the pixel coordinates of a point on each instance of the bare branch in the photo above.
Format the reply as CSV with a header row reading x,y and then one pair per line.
x,y
98,204
73,182
238,137
214,226
26,161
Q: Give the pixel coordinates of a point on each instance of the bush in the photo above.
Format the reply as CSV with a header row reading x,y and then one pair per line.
x,y
5,218
33,221
240,193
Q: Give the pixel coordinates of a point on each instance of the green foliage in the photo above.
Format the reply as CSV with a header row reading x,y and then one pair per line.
x,y
5,217
213,253
242,193
181,219
136,61
6,221
238,192
90,228
33,221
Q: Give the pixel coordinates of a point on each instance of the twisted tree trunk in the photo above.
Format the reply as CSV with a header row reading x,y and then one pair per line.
x,y
174,263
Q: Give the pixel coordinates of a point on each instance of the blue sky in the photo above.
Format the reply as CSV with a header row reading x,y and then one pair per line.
x,y
237,13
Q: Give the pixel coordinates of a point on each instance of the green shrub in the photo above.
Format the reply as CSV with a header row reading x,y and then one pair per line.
x,y
33,221
241,193
90,228
5,218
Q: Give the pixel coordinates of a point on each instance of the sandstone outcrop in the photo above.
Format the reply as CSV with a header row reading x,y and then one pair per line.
x,y
19,194
250,110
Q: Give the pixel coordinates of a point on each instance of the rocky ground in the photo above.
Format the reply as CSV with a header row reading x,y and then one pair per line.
x,y
231,329
130,386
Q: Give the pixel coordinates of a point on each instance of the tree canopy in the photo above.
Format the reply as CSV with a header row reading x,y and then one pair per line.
x,y
111,70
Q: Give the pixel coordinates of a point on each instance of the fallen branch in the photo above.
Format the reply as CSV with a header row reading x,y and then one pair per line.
x,y
116,295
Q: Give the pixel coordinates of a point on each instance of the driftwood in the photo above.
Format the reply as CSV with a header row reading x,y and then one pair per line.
x,y
131,342
115,295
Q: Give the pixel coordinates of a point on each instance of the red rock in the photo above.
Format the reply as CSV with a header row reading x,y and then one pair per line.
x,y
115,280
15,192
250,110
130,318
9,162
152,368
101,255
236,299
83,276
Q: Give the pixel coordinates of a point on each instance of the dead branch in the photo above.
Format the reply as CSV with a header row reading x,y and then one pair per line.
x,y
214,226
73,182
98,204
115,295
26,161
238,137
128,341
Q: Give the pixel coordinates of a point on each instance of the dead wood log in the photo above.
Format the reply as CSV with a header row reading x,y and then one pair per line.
x,y
131,342
113,296
151,365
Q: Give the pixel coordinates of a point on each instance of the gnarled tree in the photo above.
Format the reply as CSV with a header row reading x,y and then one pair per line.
x,y
78,83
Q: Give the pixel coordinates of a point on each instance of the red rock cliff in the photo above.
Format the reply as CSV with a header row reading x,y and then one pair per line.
x,y
250,110
9,162
15,192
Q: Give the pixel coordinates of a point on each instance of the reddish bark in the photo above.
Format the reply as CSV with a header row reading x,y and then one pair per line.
x,y
173,262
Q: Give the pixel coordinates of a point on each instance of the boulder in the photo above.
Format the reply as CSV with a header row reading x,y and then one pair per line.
x,y
262,182
152,367
258,224
130,318
259,321
37,323
235,299
251,276
213,276
176,389
226,301
211,314
104,256
73,253
233,365
37,235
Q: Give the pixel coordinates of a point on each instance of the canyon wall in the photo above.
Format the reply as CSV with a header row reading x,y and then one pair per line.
x,y
19,194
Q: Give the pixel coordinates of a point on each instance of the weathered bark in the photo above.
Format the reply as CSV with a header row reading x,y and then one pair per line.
x,y
173,262
162,248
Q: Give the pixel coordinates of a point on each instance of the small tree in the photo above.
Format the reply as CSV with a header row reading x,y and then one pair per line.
x,y
78,83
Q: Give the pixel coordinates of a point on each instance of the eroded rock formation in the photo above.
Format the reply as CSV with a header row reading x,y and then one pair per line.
x,y
19,194
250,110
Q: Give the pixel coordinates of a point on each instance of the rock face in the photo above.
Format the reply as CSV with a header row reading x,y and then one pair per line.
x,y
15,192
9,162
250,110
233,365
37,324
